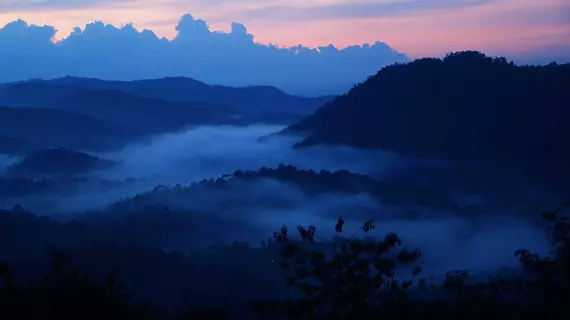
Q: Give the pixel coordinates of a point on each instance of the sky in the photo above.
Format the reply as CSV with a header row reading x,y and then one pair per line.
x,y
415,27
525,31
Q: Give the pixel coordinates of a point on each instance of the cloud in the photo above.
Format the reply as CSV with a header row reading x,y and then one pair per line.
x,y
206,152
221,150
232,58
358,9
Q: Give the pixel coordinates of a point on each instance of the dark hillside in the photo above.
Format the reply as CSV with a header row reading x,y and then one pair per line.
x,y
466,106
14,146
59,161
249,100
46,127
145,115
252,100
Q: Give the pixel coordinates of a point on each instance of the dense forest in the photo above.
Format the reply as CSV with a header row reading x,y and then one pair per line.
x,y
60,161
339,278
311,183
466,106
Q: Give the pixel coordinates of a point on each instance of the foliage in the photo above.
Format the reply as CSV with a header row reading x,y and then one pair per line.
x,y
390,192
341,278
64,293
461,107
548,286
356,279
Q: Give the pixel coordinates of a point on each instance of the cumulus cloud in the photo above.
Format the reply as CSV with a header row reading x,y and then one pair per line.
x,y
232,58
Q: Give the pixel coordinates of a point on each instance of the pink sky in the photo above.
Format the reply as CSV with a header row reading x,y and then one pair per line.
x,y
415,27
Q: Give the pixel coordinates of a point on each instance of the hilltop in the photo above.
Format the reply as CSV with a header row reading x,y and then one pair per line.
x,y
58,161
251,100
464,107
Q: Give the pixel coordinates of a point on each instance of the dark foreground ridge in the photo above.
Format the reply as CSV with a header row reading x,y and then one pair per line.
x,y
341,278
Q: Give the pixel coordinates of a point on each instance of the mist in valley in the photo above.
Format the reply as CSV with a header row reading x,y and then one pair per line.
x,y
157,176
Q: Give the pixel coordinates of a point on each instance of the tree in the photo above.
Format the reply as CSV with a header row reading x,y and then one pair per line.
x,y
349,278
64,293
344,277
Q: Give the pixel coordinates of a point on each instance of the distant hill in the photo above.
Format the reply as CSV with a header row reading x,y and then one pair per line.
x,y
249,100
14,146
57,162
342,182
466,107
31,128
253,100
145,115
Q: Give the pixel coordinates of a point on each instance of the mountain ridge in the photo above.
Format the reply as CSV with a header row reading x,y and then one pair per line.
x,y
47,127
460,107
254,99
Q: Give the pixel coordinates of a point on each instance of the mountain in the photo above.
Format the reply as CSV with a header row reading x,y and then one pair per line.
x,y
14,146
253,100
248,100
33,93
46,127
145,115
465,107
58,161
222,191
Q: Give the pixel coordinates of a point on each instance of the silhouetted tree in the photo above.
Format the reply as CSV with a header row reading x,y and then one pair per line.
x,y
356,279
64,293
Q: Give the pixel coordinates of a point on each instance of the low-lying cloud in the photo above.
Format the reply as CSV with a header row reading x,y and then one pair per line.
x,y
6,161
181,218
202,153
211,151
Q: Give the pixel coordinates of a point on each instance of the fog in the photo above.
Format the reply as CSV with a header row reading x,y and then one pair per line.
x,y
6,161
204,152
251,210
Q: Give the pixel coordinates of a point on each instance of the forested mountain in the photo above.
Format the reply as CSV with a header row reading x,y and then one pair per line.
x,y
253,100
143,115
144,107
58,161
466,106
311,183
14,146
250,99
31,128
